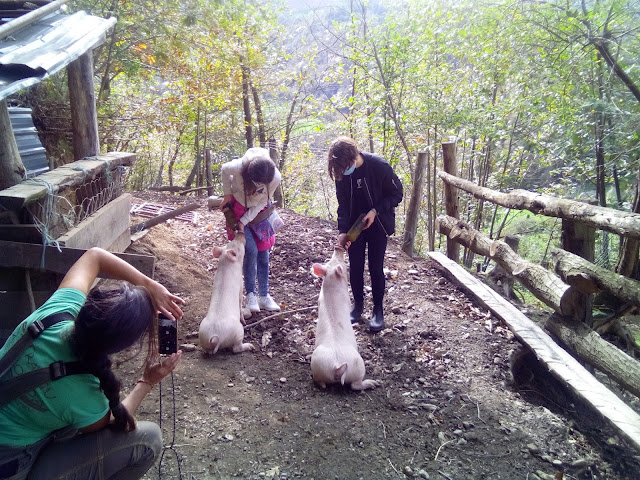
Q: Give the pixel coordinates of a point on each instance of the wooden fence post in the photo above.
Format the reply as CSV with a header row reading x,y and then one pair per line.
x,y
84,118
411,222
451,195
579,238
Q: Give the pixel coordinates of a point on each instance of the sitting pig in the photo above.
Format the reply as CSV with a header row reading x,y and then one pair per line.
x,y
335,357
222,327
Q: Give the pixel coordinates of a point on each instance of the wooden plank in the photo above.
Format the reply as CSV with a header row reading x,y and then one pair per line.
x,y
69,175
102,228
562,365
29,255
121,243
20,233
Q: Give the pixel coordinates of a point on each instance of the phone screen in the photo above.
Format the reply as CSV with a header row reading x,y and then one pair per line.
x,y
167,335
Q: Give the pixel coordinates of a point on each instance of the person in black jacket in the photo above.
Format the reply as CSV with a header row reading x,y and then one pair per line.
x,y
365,184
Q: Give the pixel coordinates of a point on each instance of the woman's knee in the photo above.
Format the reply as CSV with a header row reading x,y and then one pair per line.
x,y
150,436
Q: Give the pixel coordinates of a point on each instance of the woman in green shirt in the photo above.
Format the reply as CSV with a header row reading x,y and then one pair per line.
x,y
59,429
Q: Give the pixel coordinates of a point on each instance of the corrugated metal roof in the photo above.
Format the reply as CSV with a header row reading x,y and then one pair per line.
x,y
46,46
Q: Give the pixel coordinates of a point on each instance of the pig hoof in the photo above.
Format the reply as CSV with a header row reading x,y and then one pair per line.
x,y
364,384
243,347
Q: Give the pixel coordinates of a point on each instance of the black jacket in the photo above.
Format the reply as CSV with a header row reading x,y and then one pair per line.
x,y
384,193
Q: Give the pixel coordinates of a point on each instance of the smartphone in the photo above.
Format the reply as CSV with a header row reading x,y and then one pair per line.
x,y
167,335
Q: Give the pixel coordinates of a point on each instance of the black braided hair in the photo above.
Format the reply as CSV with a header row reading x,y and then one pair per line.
x,y
113,318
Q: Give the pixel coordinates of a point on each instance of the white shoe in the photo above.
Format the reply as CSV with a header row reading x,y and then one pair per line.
x,y
251,302
268,304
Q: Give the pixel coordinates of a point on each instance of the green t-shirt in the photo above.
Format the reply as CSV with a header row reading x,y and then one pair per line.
x,y
75,400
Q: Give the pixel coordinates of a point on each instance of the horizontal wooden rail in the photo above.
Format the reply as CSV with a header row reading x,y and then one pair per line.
x,y
615,221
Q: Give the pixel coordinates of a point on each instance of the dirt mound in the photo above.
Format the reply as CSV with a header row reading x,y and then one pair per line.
x,y
447,407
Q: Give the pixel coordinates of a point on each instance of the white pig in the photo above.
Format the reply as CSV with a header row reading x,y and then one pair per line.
x,y
335,357
222,327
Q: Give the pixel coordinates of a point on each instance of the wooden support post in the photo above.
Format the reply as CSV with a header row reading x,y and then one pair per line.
x,y
451,195
579,238
12,169
411,222
84,119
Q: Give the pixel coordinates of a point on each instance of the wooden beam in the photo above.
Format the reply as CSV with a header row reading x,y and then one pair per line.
x,y
67,176
20,233
102,228
29,255
562,365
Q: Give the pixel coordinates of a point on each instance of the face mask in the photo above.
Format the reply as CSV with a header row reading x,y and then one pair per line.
x,y
350,170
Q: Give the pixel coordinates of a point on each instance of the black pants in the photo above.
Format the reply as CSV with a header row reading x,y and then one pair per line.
x,y
375,240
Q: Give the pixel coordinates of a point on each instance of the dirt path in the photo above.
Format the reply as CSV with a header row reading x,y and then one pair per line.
x,y
446,409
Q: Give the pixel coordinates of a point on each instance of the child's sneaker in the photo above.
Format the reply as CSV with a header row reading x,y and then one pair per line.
x,y
251,302
268,304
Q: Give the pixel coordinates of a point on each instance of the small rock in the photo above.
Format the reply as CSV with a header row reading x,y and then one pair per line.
x,y
250,379
234,409
229,384
557,463
468,425
462,441
396,310
283,380
457,432
533,449
227,437
407,471
580,463
188,347
423,474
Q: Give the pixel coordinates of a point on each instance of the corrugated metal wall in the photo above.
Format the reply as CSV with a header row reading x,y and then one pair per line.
x,y
31,150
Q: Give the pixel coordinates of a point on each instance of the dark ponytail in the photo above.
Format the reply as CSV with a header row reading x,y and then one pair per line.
x,y
112,319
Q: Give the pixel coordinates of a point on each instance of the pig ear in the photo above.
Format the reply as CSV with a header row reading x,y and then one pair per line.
x,y
232,254
340,270
217,251
318,270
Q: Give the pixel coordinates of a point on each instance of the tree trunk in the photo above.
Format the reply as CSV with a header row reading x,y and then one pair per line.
x,y
262,135
84,118
12,169
411,221
615,221
246,107
273,154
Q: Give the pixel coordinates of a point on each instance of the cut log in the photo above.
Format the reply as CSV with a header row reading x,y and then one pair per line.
x,y
562,365
597,352
546,286
615,221
164,217
589,278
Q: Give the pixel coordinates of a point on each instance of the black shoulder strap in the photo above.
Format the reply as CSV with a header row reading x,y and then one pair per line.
x,y
33,331
17,386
